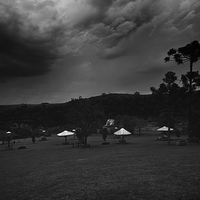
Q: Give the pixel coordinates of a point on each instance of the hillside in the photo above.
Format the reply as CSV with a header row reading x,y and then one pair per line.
x,y
112,105
127,104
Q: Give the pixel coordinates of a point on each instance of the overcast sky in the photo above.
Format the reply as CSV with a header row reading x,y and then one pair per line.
x,y
55,50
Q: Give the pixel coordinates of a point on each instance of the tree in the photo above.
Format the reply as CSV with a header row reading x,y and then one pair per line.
x,y
15,128
189,53
139,123
169,89
194,76
87,118
136,93
25,130
153,90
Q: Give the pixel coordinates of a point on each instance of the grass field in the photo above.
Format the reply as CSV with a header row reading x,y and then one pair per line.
x,y
142,169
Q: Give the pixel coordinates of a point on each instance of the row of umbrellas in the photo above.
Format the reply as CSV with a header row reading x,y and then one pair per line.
x,y
122,132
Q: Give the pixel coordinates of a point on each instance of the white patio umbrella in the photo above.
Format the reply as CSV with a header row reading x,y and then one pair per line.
x,y
9,136
164,128
65,134
122,132
8,132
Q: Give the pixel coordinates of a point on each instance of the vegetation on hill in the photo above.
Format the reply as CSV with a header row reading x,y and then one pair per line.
x,y
129,110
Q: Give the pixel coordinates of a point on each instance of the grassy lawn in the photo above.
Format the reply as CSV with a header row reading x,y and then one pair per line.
x,y
142,169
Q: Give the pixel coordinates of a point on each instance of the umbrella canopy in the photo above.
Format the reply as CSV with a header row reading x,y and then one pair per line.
x,y
164,128
122,132
65,133
7,134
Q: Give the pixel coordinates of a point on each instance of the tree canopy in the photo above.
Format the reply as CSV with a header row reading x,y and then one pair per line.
x,y
188,53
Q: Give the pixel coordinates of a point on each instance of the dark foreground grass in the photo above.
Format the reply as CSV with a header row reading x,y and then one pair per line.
x,y
143,169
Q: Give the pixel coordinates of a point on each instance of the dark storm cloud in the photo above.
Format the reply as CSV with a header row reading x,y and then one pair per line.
x,y
117,18
100,8
40,5
102,5
22,52
118,25
114,52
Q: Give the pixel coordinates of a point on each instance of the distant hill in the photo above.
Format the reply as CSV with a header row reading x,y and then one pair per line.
x,y
112,105
126,104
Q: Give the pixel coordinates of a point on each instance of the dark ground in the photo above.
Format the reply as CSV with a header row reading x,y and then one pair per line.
x,y
142,169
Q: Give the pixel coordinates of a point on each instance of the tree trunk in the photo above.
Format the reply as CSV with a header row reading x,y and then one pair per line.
x,y
169,119
85,140
190,104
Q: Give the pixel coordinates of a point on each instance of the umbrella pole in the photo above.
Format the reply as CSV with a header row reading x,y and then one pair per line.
x,y
8,143
65,139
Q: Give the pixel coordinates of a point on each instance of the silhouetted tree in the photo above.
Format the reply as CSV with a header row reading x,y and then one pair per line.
x,y
169,90
189,53
15,128
139,123
86,117
25,130
194,76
